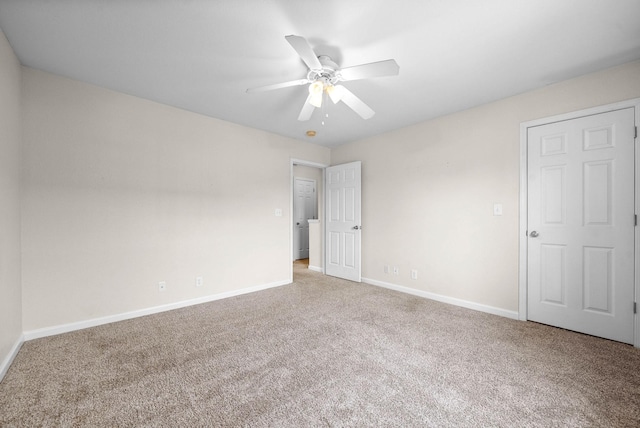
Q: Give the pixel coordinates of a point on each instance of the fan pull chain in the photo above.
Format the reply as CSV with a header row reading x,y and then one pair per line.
x,y
324,103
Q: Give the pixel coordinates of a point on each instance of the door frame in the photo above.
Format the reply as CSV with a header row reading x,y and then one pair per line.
x,y
522,232
302,162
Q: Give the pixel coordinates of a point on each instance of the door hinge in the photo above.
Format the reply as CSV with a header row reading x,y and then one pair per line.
x,y
635,223
636,134
635,308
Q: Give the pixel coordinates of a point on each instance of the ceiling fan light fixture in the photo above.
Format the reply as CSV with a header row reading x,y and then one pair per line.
x,y
335,93
315,92
316,87
316,100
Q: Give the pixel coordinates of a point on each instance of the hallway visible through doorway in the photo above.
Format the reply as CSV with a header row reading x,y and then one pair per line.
x,y
299,266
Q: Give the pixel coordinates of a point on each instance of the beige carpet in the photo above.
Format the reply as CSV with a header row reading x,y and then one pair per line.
x,y
323,352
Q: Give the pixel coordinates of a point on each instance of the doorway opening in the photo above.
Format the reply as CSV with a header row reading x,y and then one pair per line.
x,y
306,208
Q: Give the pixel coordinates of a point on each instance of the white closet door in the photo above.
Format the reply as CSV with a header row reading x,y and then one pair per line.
x,y
581,224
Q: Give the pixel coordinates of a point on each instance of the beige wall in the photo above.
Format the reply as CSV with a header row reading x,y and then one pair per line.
x,y
10,137
428,190
121,193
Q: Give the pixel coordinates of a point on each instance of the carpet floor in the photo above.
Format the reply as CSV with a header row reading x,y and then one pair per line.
x,y
323,352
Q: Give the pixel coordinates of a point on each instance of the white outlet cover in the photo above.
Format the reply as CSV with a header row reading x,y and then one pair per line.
x,y
199,281
162,286
278,212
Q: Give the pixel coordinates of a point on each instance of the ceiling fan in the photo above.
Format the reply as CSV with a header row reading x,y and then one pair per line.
x,y
324,75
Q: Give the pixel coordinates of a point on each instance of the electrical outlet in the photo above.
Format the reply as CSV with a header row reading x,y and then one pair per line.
x,y
386,268
198,281
414,274
396,271
162,285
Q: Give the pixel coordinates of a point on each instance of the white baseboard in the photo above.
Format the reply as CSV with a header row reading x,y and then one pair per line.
x,y
65,328
444,299
315,268
6,363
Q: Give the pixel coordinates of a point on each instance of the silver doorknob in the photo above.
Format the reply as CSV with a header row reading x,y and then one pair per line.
x,y
356,227
297,224
533,234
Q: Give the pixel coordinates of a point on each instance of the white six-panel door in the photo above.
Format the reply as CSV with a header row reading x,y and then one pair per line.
x,y
342,204
580,269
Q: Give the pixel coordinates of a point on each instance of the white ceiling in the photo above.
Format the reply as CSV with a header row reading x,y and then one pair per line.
x,y
201,55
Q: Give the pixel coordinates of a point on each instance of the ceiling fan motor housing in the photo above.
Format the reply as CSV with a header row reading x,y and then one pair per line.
x,y
328,74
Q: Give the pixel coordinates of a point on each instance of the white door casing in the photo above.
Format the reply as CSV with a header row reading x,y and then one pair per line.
x,y
580,271
342,219
304,208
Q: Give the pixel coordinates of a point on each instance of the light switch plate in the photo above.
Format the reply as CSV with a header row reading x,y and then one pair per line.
x,y
497,209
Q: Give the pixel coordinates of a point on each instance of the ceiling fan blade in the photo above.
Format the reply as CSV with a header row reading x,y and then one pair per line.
x,y
278,86
373,69
356,104
302,46
307,110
